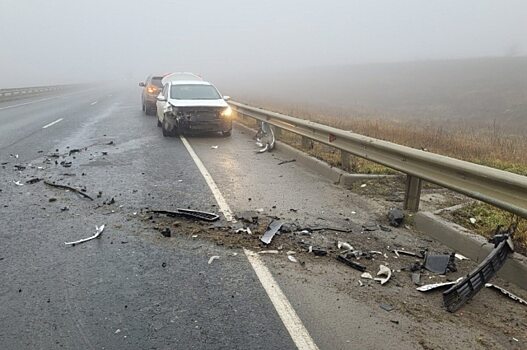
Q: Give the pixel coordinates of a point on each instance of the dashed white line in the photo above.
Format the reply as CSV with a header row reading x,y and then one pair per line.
x,y
42,99
283,307
52,123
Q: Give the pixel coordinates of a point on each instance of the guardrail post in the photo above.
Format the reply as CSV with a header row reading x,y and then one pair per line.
x,y
345,159
277,132
307,143
413,193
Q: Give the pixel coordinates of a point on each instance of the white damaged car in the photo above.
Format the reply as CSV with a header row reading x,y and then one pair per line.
x,y
192,106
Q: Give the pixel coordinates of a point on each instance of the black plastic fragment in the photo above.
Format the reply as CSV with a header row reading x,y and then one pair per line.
x,y
396,217
194,214
457,295
351,263
441,263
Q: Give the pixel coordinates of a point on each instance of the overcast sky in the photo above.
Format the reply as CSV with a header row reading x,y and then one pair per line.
x,y
55,41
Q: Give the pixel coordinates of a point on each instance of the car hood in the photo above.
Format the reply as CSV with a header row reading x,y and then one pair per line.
x,y
198,103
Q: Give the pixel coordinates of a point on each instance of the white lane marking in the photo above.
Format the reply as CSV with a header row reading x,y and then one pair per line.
x,y
224,207
93,103
283,307
287,314
52,123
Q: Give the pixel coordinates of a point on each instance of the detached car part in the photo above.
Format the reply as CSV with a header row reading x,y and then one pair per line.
x,y
272,229
351,263
193,214
96,235
461,292
507,293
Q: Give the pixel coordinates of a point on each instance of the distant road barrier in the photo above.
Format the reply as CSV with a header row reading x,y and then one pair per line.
x,y
16,93
500,188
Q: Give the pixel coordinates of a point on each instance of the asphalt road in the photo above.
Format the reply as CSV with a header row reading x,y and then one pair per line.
x,y
134,288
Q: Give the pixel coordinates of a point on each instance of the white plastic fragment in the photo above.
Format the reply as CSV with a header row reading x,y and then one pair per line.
x,y
290,252
117,331
428,287
460,257
363,185
268,252
212,258
360,283
246,230
344,245
98,232
366,275
292,258
472,220
194,236
18,183
383,271
214,147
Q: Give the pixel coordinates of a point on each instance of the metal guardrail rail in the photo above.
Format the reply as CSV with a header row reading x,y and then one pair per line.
x,y
500,188
8,94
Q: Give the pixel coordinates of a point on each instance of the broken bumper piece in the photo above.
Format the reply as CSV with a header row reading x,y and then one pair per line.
x,y
457,295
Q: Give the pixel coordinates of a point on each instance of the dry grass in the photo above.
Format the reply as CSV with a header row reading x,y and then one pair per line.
x,y
478,142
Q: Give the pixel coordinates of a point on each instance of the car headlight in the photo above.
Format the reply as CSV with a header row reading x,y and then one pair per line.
x,y
227,112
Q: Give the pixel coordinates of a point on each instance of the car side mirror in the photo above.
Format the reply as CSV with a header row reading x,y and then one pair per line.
x,y
160,97
141,84
226,98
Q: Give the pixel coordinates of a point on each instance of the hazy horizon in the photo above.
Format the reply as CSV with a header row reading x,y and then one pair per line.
x,y
69,42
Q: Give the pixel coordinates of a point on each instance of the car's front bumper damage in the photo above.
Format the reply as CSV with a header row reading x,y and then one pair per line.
x,y
201,119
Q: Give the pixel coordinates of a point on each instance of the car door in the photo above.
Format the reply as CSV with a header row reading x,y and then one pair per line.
x,y
161,105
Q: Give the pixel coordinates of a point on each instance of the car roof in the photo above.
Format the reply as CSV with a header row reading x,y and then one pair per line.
x,y
189,82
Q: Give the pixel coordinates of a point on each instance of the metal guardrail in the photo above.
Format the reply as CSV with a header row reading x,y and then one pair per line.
x,y
8,94
500,188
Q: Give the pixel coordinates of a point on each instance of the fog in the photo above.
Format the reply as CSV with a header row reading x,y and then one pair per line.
x,y
64,41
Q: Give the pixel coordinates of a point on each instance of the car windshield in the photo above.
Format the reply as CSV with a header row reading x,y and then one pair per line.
x,y
194,92
156,81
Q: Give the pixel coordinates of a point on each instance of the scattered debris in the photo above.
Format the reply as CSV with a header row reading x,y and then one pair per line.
x,y
385,228
166,232
18,183
52,199
272,229
212,258
404,252
69,189
351,263
363,185
19,167
292,258
416,278
440,263
472,220
287,161
366,275
461,292
33,181
246,230
383,271
432,286
319,251
117,331
369,227
98,229
386,307
268,252
250,217
507,293
214,147
344,245
396,217
460,257
194,214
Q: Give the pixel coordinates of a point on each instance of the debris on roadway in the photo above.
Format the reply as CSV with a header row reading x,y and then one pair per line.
x,y
98,232
432,286
194,214
68,188
212,258
396,217
507,293
385,274
272,229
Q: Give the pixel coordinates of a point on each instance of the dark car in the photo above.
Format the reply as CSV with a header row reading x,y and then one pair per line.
x,y
151,88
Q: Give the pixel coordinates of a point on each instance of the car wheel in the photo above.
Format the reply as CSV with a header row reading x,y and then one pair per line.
x,y
226,133
143,108
166,132
159,123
